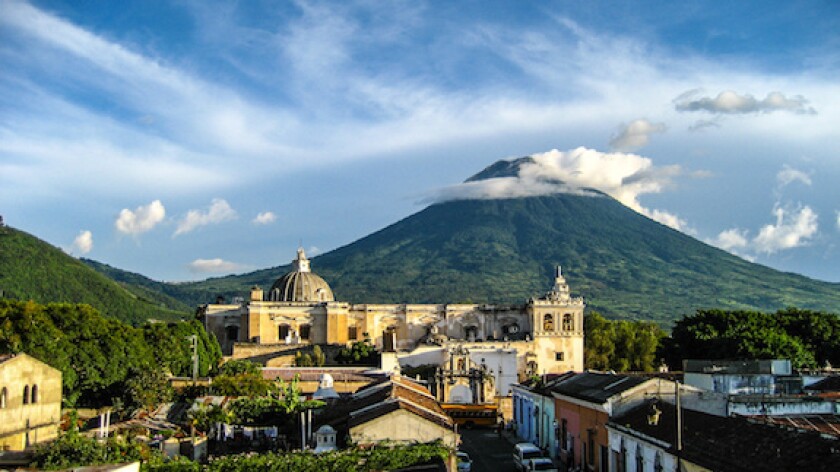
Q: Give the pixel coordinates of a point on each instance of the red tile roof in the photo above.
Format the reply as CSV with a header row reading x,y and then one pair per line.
x,y
826,424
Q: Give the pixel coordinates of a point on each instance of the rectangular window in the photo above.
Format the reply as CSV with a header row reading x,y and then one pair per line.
x,y
352,333
591,448
558,356
563,433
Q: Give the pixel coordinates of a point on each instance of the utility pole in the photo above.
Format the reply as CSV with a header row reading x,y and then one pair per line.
x,y
194,345
679,424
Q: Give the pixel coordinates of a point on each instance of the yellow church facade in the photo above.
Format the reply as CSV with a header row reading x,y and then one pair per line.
x,y
544,334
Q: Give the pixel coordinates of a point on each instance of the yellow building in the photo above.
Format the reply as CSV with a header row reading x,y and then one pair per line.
x,y
544,335
30,401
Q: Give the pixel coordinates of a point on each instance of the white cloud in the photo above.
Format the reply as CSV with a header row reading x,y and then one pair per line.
x,y
731,239
213,266
218,212
668,219
264,218
142,219
313,251
83,243
730,102
580,171
636,134
789,175
792,229
838,220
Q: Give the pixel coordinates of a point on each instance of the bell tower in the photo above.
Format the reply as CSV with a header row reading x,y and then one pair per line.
x,y
557,321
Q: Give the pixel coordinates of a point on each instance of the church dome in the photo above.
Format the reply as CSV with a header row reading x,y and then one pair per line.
x,y
301,284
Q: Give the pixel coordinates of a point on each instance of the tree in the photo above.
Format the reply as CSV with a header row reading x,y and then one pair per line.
x,y
239,367
359,353
318,357
148,388
621,345
72,449
599,342
249,385
806,338
172,350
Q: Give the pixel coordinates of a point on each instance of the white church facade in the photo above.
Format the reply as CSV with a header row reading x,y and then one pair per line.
x,y
543,335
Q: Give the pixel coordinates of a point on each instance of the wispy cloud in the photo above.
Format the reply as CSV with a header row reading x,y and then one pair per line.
x,y
264,218
788,175
636,134
83,243
213,266
729,102
142,219
702,125
218,212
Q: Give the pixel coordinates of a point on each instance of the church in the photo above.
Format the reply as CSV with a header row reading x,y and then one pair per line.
x,y
509,342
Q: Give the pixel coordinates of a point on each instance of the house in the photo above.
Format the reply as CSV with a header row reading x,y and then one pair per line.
x,y
395,410
534,411
645,438
585,403
30,401
762,377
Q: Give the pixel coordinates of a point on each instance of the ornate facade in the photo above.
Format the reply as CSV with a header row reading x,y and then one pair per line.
x,y
544,335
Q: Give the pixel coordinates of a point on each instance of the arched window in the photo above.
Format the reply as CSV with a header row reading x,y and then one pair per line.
x,y
568,322
34,394
471,333
304,331
4,396
26,395
548,322
283,332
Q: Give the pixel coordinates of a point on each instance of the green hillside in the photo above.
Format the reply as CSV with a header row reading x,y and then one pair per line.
x,y
31,269
159,293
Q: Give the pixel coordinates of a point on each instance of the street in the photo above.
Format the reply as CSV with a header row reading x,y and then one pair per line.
x,y
487,450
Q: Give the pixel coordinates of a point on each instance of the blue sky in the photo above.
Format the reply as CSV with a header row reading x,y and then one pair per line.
x,y
188,139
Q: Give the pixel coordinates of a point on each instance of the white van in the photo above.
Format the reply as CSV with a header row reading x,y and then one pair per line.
x,y
523,453
541,464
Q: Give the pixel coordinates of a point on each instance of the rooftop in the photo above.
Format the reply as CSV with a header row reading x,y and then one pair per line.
x,y
596,387
735,443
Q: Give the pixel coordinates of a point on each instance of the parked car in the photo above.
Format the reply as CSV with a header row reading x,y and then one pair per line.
x,y
464,462
542,464
522,453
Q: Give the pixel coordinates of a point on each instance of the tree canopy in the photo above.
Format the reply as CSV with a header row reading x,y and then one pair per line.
x,y
621,345
98,355
808,338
